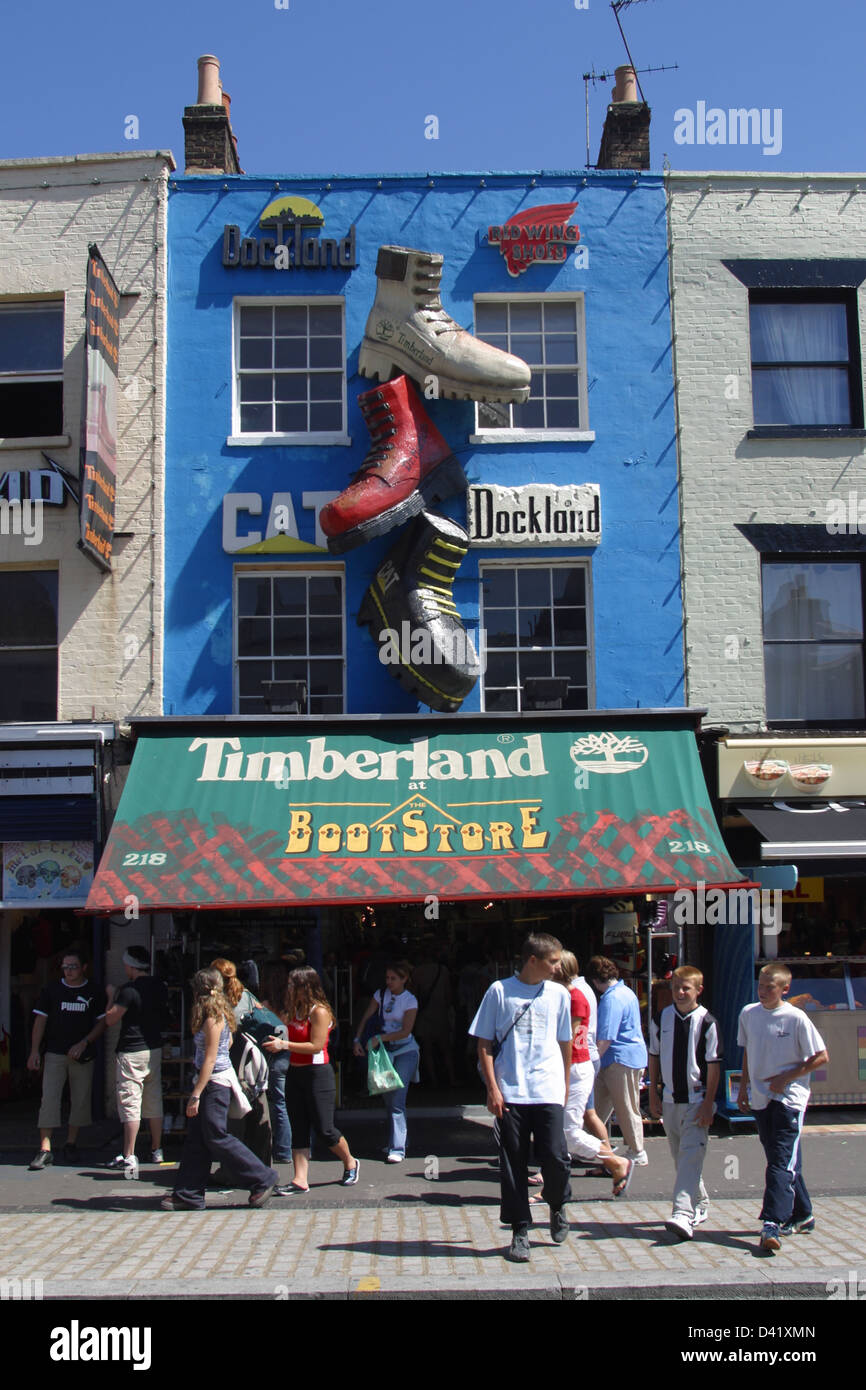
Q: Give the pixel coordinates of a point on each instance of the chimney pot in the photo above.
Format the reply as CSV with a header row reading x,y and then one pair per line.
x,y
626,84
209,88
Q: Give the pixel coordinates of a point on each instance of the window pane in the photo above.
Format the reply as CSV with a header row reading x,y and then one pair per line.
x,y
490,318
501,669
326,677
500,701
326,636
570,627
815,681
31,339
525,318
289,386
498,587
250,676
529,416
561,384
290,671
528,346
560,318
326,352
326,319
256,388
326,417
500,626
799,332
290,595
534,664
254,596
326,595
812,601
257,419
494,415
291,419
28,608
533,586
30,408
256,323
571,664
256,352
328,386
28,685
801,396
290,636
563,415
560,347
568,586
290,352
254,636
291,321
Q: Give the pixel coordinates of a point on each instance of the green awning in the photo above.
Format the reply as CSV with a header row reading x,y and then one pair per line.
x,y
223,814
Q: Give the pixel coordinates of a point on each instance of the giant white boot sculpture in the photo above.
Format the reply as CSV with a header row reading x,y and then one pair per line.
x,y
409,331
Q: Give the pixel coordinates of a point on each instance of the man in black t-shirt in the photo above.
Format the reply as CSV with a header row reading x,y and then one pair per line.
x,y
69,1016
139,1007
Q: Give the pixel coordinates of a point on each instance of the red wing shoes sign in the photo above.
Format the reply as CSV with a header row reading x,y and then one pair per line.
x,y
351,814
538,234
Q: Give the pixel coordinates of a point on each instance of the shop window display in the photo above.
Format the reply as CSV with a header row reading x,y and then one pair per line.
x,y
535,623
289,627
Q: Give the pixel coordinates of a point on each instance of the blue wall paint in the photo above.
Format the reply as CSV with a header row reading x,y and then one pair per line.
x,y
637,616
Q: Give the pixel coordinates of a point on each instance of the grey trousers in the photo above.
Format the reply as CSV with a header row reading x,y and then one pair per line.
x,y
688,1145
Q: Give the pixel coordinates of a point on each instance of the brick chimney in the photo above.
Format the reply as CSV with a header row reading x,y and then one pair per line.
x,y
625,138
209,145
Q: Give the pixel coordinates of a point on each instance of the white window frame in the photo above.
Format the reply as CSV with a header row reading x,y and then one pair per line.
x,y
539,436
40,303
272,571
322,438
561,562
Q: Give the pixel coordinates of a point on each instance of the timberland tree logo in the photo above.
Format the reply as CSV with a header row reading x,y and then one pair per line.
x,y
608,753
385,330
417,826
540,234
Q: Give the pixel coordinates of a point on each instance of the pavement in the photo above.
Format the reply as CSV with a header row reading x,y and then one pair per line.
x,y
429,1228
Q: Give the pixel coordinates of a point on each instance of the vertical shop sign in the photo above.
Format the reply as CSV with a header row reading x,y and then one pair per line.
x,y
99,445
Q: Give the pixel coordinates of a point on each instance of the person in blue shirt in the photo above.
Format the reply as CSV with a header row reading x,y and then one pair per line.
x,y
623,1054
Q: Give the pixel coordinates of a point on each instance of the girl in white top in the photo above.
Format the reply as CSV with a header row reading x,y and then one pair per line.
x,y
397,1008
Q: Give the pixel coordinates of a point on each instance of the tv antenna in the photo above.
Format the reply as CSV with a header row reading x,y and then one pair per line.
x,y
593,77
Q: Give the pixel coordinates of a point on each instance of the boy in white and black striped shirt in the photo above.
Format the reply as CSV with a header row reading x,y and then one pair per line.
x,y
685,1050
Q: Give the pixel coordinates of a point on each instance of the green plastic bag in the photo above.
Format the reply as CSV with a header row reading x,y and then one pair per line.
x,y
382,1075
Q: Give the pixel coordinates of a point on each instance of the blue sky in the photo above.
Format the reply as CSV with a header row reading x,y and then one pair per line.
x,y
337,86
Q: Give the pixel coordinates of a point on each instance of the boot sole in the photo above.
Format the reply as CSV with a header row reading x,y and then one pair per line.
x,y
373,362
442,482
370,616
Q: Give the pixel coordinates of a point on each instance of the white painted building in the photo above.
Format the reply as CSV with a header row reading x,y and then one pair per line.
x,y
767,276
80,647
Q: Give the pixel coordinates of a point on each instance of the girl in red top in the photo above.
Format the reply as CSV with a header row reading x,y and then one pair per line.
x,y
311,1088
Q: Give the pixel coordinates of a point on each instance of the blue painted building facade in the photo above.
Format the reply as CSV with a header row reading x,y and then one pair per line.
x,y
263,427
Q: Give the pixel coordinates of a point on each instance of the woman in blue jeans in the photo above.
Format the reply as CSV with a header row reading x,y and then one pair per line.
x,y
397,1008
274,992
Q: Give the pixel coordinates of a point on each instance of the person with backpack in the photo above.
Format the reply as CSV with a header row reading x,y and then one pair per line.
x,y
213,1024
251,1068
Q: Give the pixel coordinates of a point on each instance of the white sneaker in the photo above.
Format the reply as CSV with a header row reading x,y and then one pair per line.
x,y
127,1166
394,1157
641,1159
679,1226
700,1216
157,1156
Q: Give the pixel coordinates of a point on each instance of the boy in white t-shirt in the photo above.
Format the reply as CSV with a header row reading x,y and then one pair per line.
x,y
781,1048
526,1022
